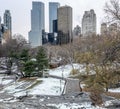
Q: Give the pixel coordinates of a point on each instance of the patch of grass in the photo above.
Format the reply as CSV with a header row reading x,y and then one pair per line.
x,y
74,71
28,79
34,84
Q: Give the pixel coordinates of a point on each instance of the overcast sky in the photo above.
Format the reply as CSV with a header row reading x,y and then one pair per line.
x,y
20,12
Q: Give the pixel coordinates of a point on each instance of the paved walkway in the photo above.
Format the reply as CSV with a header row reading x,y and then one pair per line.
x,y
71,85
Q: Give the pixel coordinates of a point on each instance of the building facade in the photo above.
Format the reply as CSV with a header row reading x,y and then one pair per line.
x,y
5,33
0,31
65,25
113,29
8,21
37,24
53,6
104,29
0,22
89,23
55,26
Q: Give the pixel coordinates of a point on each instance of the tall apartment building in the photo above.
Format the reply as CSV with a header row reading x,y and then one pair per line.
x,y
89,23
37,24
8,21
104,29
113,29
53,6
64,25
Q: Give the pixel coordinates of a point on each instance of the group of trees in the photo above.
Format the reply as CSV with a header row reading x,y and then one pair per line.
x,y
19,59
101,54
104,62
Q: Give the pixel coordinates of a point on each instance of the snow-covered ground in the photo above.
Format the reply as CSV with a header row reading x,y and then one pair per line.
x,y
5,81
65,70
116,90
75,106
47,86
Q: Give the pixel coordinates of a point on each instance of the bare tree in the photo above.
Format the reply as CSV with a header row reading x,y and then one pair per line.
x,y
112,9
10,50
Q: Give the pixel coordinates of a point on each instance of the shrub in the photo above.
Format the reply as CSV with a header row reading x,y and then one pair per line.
x,y
74,71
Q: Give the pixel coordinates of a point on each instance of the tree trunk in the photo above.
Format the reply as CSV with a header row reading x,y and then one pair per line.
x,y
106,89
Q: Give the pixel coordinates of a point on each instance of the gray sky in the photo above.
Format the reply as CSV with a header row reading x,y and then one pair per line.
x,y
20,11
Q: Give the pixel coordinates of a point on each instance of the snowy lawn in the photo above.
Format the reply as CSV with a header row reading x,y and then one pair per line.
x,y
51,86
48,86
116,90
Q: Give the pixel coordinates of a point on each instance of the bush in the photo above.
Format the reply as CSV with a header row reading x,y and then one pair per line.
x,y
74,71
41,61
29,68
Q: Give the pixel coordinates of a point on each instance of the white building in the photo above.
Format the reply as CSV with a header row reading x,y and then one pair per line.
x,y
89,23
37,24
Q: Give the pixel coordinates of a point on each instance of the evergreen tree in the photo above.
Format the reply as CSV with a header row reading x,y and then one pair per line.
x,y
29,68
42,61
25,65
24,55
22,62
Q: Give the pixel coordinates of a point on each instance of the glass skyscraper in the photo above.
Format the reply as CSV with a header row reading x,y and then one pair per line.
x,y
37,24
7,21
0,31
53,6
0,23
65,23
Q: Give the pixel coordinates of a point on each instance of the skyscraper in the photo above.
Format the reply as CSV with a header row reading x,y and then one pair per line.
x,y
37,24
0,23
0,31
113,29
104,29
64,25
89,23
53,6
7,22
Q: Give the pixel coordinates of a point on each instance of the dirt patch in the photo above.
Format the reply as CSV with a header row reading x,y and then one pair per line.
x,y
34,84
28,79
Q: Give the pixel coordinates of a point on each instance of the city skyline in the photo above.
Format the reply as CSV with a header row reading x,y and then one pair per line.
x,y
20,12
